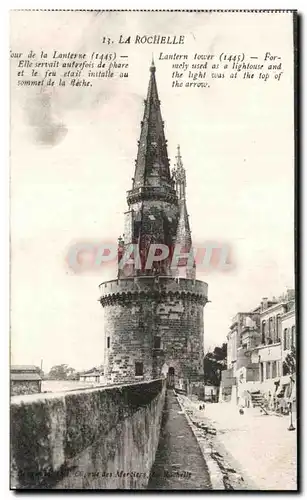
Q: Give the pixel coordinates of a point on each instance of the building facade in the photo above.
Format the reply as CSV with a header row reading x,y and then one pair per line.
x,y
258,344
154,310
95,375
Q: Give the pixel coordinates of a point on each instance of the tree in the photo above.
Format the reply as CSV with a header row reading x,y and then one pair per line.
x,y
62,372
214,363
289,365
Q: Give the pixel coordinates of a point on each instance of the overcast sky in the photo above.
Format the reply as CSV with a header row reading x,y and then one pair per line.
x,y
72,160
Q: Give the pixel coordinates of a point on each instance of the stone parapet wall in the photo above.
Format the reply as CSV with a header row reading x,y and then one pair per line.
x,y
104,438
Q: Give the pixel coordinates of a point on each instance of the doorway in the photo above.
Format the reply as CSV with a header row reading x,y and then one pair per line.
x,y
171,377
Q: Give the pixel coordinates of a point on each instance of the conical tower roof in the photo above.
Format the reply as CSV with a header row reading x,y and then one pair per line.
x,y
152,163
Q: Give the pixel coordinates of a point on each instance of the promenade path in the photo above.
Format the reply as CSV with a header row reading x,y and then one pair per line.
x,y
179,463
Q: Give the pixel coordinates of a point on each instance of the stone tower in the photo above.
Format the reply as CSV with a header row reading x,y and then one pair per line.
x,y
154,314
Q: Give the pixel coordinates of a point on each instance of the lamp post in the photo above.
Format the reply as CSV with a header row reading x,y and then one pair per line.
x,y
291,426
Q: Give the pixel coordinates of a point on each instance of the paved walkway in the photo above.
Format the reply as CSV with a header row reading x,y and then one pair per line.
x,y
179,463
260,444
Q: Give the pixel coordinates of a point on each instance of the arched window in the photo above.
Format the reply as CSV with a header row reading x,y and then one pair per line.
x,y
271,329
263,332
285,338
278,328
293,343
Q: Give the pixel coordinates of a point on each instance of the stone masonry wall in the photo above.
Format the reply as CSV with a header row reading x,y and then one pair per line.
x,y
129,328
103,438
180,325
138,310
25,387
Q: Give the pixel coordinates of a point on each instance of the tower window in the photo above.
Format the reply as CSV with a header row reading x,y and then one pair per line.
x,y
108,342
157,342
139,370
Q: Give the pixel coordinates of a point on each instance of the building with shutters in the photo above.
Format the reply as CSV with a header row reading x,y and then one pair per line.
x,y
257,347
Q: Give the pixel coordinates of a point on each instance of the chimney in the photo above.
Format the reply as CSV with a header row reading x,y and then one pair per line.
x,y
264,303
290,294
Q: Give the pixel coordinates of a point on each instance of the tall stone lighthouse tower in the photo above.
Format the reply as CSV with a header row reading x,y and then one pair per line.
x,y
154,316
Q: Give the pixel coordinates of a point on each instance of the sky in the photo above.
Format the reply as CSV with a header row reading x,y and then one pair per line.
x,y
72,160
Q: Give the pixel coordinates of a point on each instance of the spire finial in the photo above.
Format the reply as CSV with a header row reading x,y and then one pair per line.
x,y
179,163
179,175
152,67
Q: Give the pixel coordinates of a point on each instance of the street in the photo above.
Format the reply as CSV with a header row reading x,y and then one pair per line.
x,y
260,445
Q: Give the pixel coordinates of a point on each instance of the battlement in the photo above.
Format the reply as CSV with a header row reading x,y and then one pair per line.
x,y
149,286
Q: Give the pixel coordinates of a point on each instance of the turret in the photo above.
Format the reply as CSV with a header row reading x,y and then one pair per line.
x,y
186,267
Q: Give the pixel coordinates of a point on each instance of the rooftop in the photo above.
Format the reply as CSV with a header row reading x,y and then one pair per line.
x,y
93,372
24,368
25,376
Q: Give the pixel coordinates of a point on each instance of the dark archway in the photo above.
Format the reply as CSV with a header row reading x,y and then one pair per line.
x,y
171,377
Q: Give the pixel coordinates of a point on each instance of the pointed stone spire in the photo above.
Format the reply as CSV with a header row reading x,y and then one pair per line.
x,y
150,221
183,234
183,241
179,176
152,163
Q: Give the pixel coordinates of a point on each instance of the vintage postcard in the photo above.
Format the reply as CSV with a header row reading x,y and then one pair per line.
x,y
153,295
